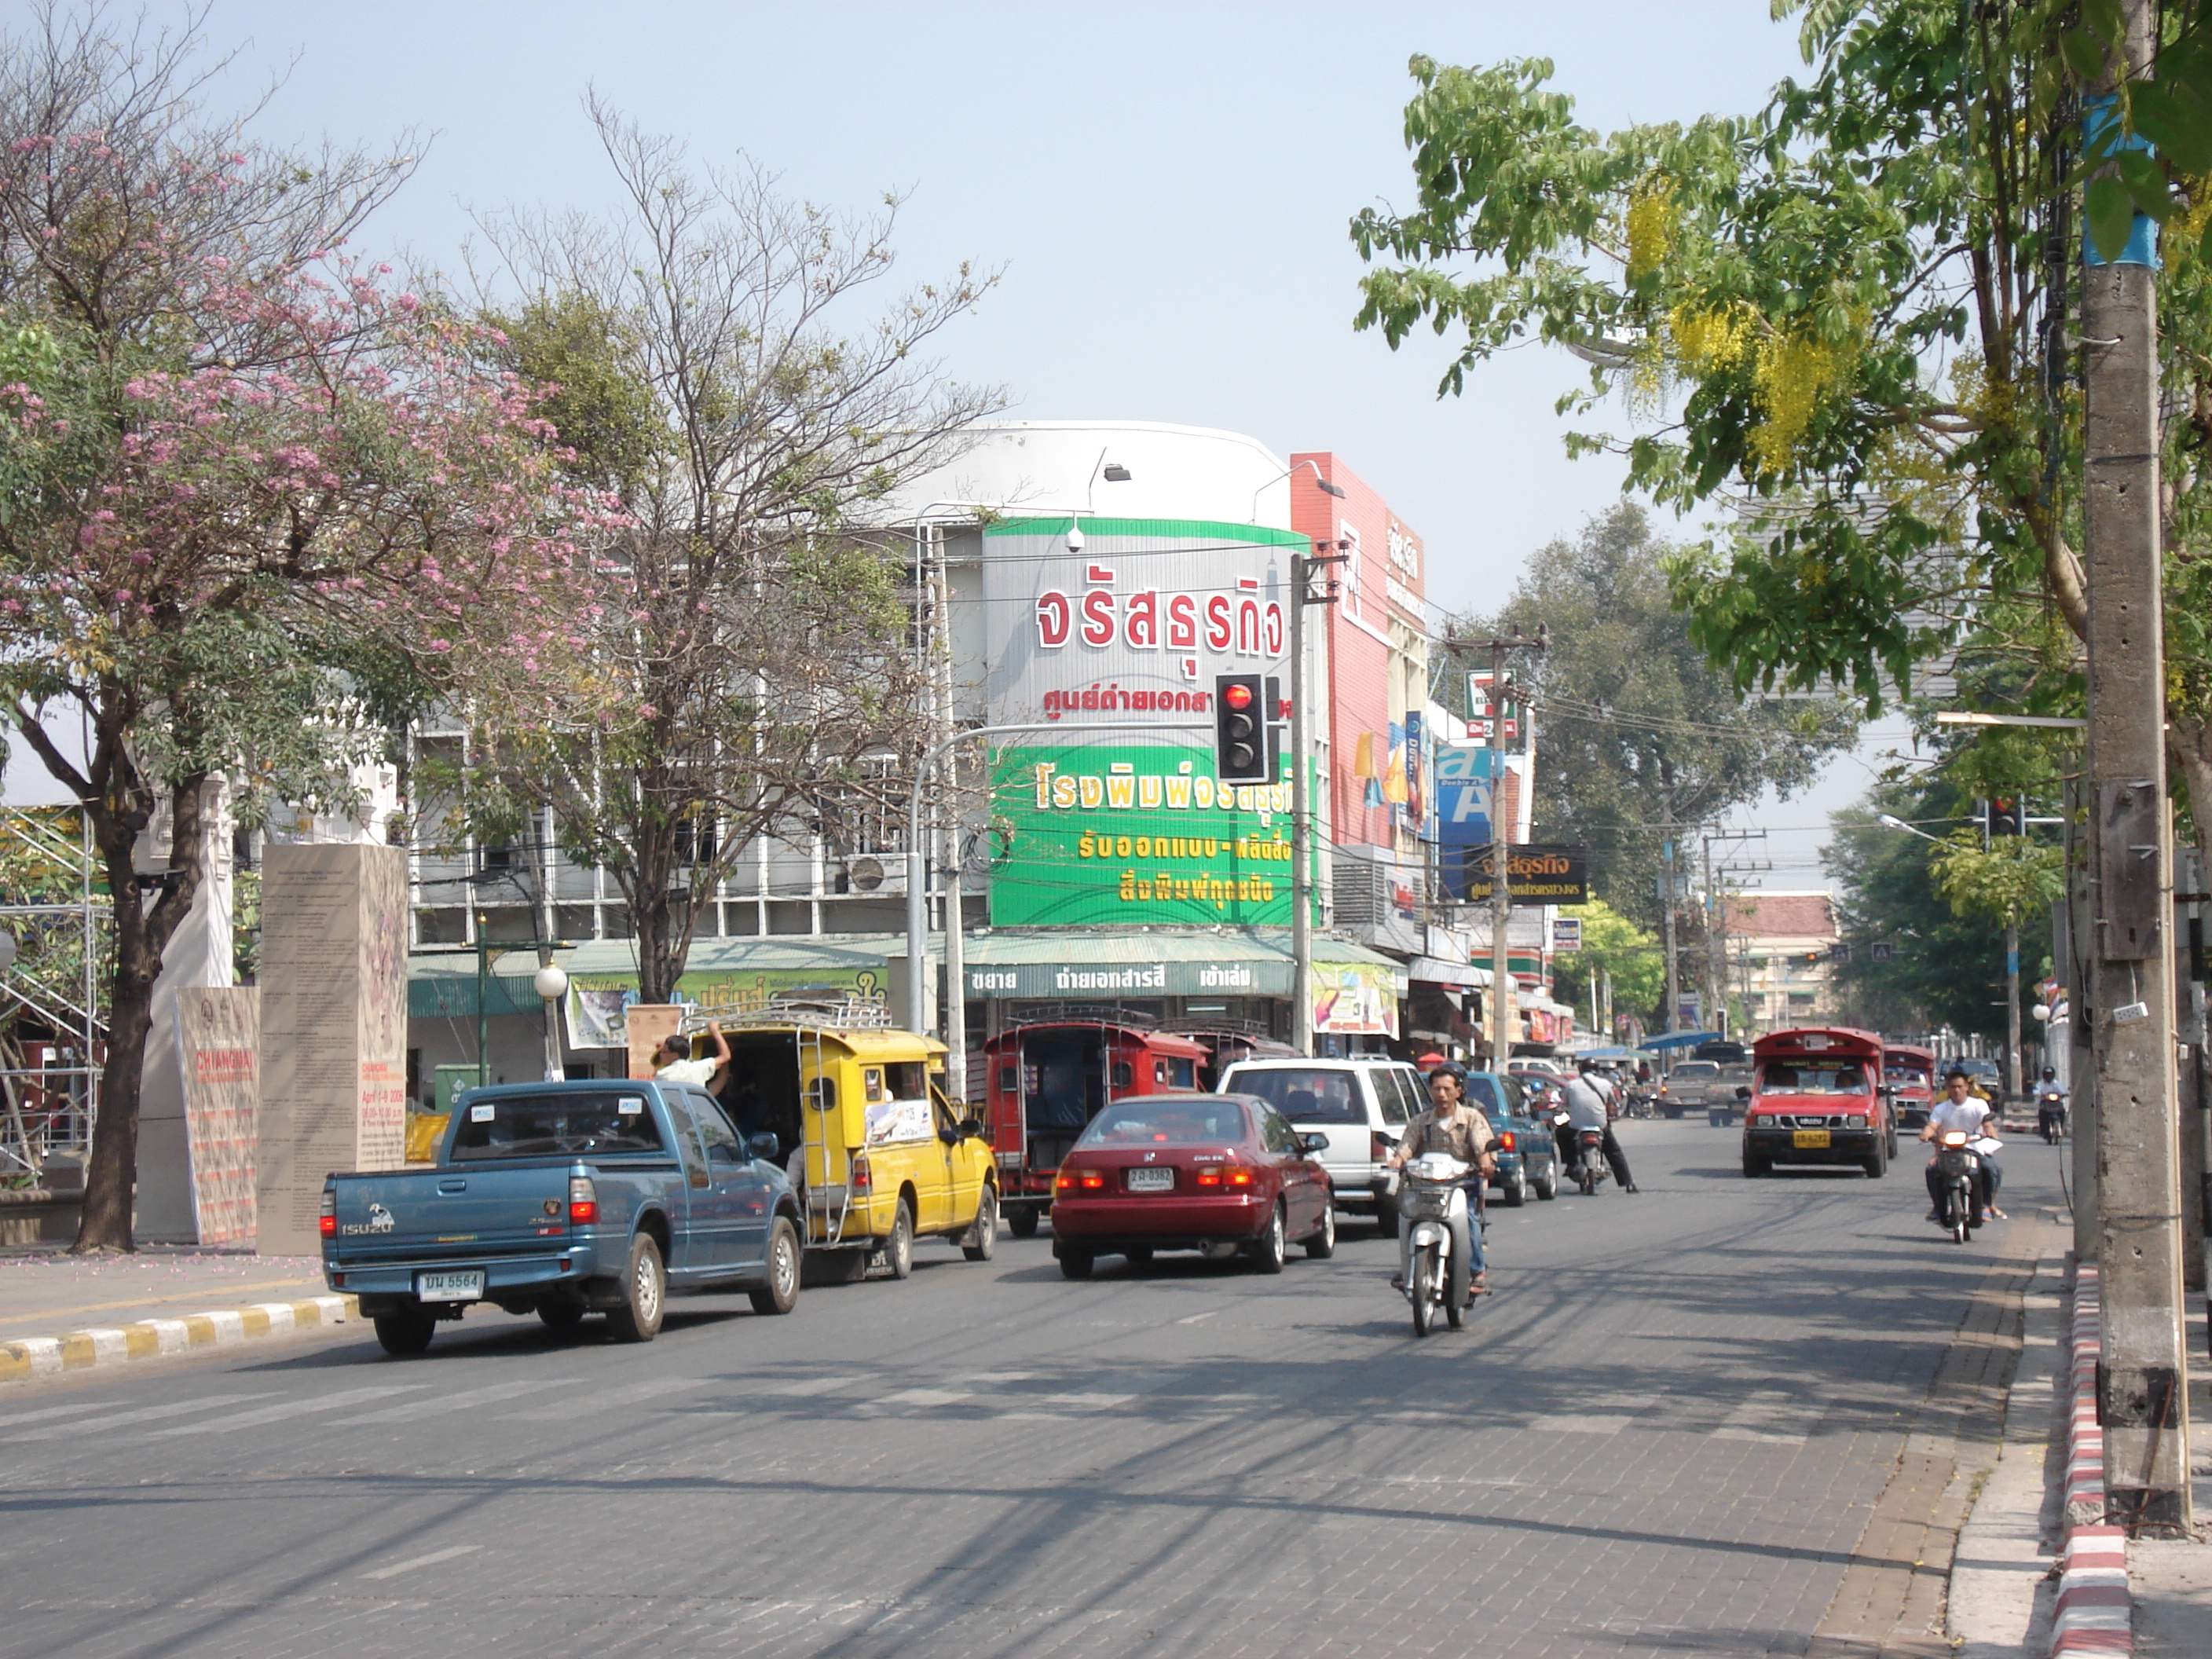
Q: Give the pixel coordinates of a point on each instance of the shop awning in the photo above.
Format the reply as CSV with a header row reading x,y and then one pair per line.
x,y
1681,1039
441,984
1434,971
1139,963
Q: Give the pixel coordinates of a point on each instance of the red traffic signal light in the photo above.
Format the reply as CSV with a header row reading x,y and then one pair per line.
x,y
1240,752
1238,694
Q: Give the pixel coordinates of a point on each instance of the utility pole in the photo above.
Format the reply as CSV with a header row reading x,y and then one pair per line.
x,y
1501,896
1667,886
1303,570
2143,1401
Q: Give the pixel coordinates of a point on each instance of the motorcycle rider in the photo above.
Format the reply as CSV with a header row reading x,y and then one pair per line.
x,y
1454,1127
1586,1110
2050,1102
1961,1109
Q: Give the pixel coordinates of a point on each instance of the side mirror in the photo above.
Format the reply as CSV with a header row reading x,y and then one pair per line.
x,y
1313,1143
1741,1093
948,1134
764,1147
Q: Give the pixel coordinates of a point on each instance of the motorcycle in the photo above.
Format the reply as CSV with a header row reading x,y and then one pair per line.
x,y
2050,1115
1958,1172
1432,1198
1590,1167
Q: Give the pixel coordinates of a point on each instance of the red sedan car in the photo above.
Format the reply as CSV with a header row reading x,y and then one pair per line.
x,y
1222,1174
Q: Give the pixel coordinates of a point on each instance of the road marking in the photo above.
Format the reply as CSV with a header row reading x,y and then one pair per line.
x,y
254,1419
1589,1423
148,1413
413,1412
1194,1318
431,1559
50,1411
926,1397
589,1404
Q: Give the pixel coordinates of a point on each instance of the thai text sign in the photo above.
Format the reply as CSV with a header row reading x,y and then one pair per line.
x,y
1535,874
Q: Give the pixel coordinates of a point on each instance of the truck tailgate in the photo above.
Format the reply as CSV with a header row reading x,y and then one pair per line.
x,y
450,1213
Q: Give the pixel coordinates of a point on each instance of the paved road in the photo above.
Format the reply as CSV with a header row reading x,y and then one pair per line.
x,y
1662,1436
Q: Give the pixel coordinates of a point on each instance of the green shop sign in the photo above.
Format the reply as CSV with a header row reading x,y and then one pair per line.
x,y
1126,835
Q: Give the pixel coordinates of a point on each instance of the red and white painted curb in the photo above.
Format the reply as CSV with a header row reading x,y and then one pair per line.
x,y
2093,1615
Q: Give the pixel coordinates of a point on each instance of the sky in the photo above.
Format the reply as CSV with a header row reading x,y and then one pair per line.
x,y
1162,189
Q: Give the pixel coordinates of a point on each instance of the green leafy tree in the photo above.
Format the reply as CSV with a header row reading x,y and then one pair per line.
x,y
1611,946
1850,316
1638,739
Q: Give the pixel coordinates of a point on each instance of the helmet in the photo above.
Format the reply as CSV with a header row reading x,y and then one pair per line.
x,y
2051,1071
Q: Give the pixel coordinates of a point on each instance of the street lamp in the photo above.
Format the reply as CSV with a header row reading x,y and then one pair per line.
x,y
1336,490
2012,968
1889,822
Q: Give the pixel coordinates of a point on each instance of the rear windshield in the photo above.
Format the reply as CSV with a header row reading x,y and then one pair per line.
x,y
1697,1071
1483,1092
1159,1121
1899,1072
1304,1095
537,1126
1813,1078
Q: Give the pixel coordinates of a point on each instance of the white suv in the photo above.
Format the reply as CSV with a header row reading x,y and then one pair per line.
x,y
1360,1103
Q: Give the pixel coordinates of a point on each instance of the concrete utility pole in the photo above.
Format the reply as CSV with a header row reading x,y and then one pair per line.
x,y
2144,1402
1325,557
1668,884
1501,833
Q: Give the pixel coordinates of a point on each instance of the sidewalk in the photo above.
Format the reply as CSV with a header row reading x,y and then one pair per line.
x,y
62,1312
2171,1582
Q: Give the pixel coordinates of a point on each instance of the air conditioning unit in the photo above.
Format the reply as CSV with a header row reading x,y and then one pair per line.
x,y
875,876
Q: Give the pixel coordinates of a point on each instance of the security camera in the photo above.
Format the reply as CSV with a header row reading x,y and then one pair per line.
x,y
1074,536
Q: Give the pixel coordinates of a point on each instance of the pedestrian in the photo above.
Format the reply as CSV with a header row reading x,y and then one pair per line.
x,y
676,1066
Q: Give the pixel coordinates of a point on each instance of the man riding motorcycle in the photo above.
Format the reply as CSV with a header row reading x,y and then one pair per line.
x,y
1959,1109
1454,1126
1586,1110
2050,1104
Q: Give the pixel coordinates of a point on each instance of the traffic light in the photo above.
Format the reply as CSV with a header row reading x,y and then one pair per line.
x,y
1240,752
2005,817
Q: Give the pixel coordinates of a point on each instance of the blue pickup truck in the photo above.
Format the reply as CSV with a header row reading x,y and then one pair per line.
x,y
567,1198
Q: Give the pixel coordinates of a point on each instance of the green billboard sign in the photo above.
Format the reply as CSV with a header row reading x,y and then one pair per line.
x,y
1124,836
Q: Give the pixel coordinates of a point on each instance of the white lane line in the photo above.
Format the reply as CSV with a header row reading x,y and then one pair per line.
x,y
598,1400
147,1414
1585,1424
414,1411
254,1419
1194,1318
431,1559
50,1411
926,1397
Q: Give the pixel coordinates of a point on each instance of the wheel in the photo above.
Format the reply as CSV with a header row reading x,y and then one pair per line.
x,y
1138,1255
1755,1168
780,1294
1022,1220
1422,1281
1322,1244
1548,1188
1272,1248
1455,1312
898,1248
1585,1181
1877,1165
1516,1194
645,1293
982,1240
1075,1264
406,1332
561,1315
1386,1217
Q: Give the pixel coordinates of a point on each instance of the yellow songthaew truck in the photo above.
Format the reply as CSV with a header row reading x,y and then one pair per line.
x,y
880,1154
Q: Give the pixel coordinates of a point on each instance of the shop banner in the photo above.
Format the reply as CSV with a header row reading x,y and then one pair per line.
x,y
220,1031
1465,785
599,1004
1356,997
1535,874
1267,976
1122,835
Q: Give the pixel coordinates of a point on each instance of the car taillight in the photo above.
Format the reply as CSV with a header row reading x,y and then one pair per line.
x,y
1224,1176
1505,1140
863,1179
583,1202
1088,1181
330,1222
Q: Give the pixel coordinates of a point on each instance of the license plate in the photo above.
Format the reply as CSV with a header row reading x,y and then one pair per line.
x,y
449,1287
1152,1181
1810,1137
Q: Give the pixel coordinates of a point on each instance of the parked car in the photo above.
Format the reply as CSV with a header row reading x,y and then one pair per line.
x,y
1360,1106
1222,1174
567,1198
1528,1156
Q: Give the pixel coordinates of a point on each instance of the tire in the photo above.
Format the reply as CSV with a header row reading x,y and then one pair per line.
x,y
1022,1220
405,1334
1877,1165
1517,1195
898,1248
561,1315
1455,1313
645,1293
1756,1168
982,1240
1386,1217
1548,1188
780,1294
1272,1248
1075,1264
1322,1244
1422,1282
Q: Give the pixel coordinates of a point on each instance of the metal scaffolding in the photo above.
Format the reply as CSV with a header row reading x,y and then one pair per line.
x,y
48,1107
